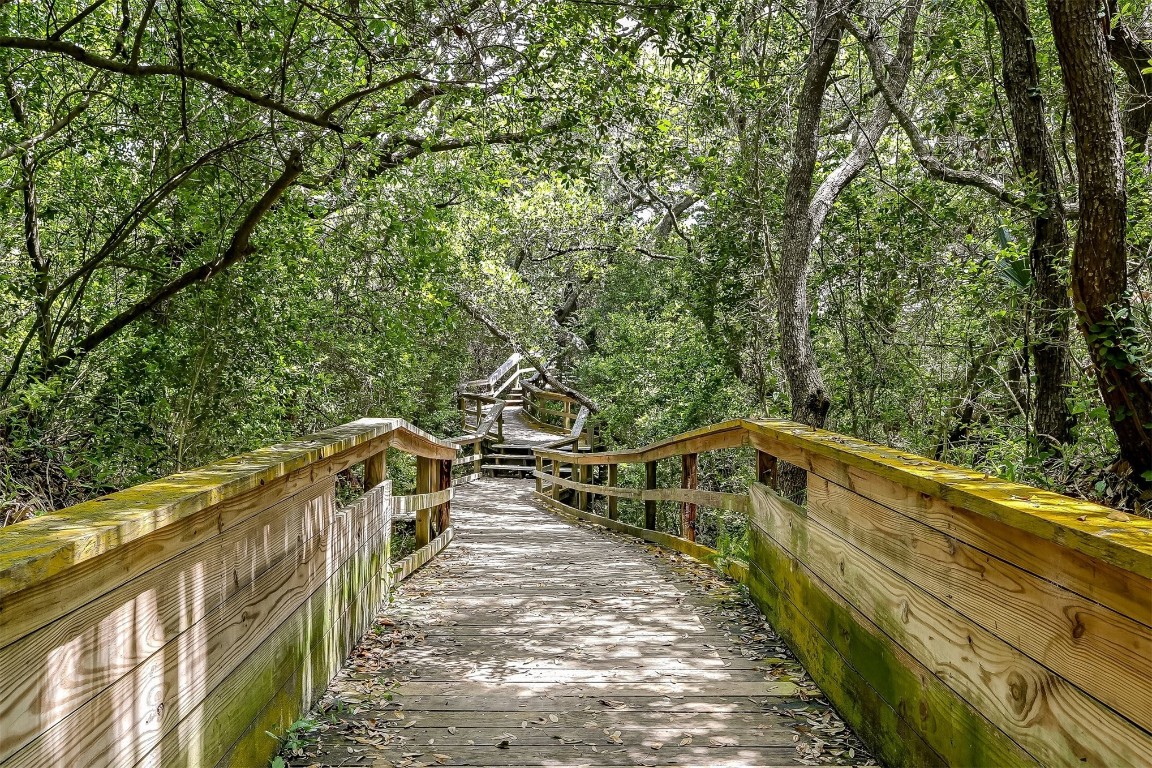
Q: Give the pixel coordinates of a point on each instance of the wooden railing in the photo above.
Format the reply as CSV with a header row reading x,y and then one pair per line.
x,y
952,617
556,411
505,376
177,622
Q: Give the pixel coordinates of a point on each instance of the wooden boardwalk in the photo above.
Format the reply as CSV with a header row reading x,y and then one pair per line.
x,y
533,641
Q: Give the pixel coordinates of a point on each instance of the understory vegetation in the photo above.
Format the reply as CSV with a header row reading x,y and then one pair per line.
x,y
225,223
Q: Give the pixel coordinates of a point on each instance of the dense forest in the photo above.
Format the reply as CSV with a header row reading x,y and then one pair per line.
x,y
226,222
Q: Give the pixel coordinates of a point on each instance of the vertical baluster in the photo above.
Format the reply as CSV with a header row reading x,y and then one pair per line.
x,y
445,510
613,502
767,470
650,506
376,469
689,463
424,481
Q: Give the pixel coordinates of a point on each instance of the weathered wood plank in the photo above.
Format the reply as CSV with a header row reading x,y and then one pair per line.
x,y
1088,644
1037,709
34,550
68,662
905,713
698,551
174,679
502,630
1074,523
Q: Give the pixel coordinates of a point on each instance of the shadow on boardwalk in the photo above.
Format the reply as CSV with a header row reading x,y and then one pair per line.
x,y
534,642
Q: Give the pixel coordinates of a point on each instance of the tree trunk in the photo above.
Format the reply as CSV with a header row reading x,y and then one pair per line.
x,y
1048,255
810,401
1099,262
1134,57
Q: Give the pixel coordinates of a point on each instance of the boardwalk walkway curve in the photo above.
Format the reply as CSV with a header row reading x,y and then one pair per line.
x,y
544,643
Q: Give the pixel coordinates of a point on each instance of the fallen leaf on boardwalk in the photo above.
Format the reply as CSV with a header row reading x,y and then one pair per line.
x,y
686,740
553,718
503,744
441,758
1119,517
452,730
722,741
612,703
656,745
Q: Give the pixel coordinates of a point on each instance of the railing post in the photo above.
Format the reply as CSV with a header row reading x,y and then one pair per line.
x,y
376,469
539,471
500,426
425,471
581,495
463,413
555,476
445,511
767,470
613,502
689,463
650,505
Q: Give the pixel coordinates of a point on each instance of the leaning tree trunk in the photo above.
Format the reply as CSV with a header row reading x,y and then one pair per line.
x,y
809,396
810,401
1099,262
1048,255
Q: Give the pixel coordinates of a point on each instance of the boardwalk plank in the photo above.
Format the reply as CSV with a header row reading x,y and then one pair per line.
x,y
542,634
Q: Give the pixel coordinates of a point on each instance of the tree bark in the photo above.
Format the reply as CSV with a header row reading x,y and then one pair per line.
x,y
1048,254
810,401
1099,261
1134,57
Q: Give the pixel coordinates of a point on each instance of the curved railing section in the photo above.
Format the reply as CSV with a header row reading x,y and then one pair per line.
x,y
561,413
177,621
952,617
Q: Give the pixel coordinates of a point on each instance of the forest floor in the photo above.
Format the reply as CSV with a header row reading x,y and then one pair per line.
x,y
533,641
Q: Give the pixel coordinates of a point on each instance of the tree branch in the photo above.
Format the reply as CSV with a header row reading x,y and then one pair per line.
x,y
238,249
133,69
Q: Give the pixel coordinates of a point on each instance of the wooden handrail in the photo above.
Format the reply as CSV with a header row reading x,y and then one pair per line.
x,y
248,571
35,550
926,567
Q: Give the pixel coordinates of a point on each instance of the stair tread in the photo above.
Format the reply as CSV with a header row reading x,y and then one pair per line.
x,y
517,468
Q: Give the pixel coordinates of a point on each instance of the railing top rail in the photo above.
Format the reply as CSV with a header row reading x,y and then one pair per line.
x,y
36,549
482,398
513,360
1081,525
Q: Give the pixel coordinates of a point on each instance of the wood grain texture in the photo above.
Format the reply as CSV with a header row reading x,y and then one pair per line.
x,y
487,659
1037,709
176,678
50,673
1091,646
35,550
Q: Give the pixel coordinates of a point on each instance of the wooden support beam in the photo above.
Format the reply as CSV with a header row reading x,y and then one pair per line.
x,y
689,463
650,485
426,475
375,470
583,498
613,504
767,470
444,512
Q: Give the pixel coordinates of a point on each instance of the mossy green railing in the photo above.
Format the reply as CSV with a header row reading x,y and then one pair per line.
x,y
953,618
177,622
